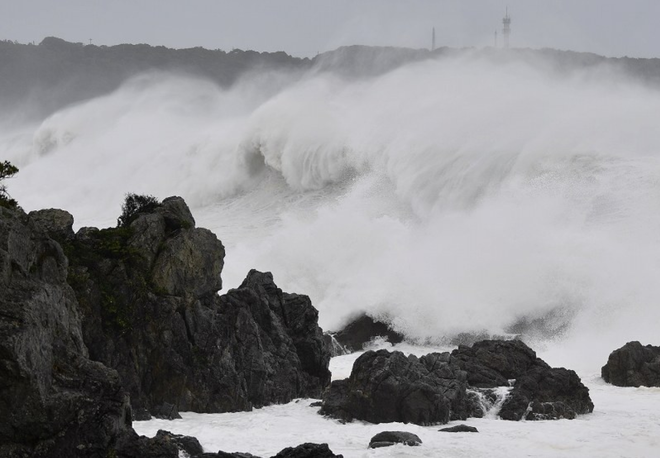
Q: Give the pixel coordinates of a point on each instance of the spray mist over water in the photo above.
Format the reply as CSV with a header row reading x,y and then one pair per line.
x,y
446,196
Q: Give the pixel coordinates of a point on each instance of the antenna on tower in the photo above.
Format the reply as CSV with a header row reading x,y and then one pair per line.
x,y
433,40
506,29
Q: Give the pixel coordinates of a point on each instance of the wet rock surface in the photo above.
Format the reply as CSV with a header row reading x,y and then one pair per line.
x,y
362,330
391,387
308,450
389,438
547,394
633,364
440,387
87,319
148,293
491,363
459,429
54,400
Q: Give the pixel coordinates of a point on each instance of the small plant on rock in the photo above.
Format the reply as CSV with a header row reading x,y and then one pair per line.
x,y
133,206
7,170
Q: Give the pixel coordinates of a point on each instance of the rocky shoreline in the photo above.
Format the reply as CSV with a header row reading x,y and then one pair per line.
x,y
100,328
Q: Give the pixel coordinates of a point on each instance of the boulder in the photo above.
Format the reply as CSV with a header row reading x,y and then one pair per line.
x,y
187,444
362,330
307,450
163,445
134,446
441,387
459,429
633,365
389,438
58,224
390,387
545,393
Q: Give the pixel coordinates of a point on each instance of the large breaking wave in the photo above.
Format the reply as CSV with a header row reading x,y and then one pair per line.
x,y
447,196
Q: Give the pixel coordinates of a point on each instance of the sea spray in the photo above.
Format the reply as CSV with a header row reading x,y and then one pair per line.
x,y
452,195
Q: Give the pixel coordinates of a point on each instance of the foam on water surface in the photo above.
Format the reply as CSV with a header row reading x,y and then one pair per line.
x,y
625,423
448,196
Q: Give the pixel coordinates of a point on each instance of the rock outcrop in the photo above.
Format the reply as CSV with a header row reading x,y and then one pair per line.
x,y
88,318
148,293
439,387
54,400
633,365
390,387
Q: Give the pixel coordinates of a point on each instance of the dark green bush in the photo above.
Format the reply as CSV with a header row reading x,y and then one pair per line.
x,y
133,206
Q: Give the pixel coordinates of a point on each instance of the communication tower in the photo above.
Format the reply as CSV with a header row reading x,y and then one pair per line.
x,y
433,40
506,29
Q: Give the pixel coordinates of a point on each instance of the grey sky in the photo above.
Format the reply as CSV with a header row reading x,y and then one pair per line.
x,y
305,27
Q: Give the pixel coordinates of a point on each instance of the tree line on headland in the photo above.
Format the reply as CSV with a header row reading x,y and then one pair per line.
x,y
56,73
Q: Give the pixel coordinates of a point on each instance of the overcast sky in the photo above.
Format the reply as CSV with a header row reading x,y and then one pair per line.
x,y
305,27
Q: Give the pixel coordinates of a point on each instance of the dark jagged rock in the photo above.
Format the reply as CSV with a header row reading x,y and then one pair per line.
x,y
273,343
84,316
363,330
151,311
54,401
633,365
135,446
491,363
227,455
459,429
336,349
390,387
58,224
545,393
307,450
163,445
386,387
389,438
187,444
165,411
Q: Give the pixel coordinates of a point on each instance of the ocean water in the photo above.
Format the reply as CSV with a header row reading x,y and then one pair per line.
x,y
625,423
444,197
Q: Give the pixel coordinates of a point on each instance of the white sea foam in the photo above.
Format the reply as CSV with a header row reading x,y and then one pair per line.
x,y
446,196
625,423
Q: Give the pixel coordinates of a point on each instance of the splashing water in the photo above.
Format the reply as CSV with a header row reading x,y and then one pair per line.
x,y
449,196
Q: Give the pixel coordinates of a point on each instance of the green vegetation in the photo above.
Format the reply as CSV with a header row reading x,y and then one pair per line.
x,y
7,170
133,206
104,266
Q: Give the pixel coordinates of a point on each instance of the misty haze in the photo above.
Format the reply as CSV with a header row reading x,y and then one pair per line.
x,y
451,192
